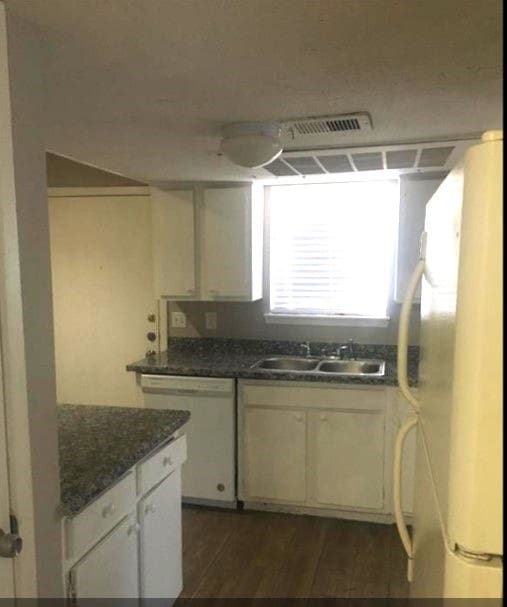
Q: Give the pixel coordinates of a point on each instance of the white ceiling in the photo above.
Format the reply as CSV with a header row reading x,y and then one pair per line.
x,y
142,87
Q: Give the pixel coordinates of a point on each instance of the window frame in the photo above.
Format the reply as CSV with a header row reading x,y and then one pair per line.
x,y
320,319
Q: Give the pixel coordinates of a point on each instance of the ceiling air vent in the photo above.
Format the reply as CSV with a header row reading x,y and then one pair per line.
x,y
305,165
370,161
301,131
281,169
337,163
404,158
434,156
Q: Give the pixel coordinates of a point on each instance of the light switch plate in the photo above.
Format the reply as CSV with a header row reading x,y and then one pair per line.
x,y
178,320
210,319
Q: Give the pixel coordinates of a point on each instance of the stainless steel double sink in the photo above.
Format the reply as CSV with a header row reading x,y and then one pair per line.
x,y
325,366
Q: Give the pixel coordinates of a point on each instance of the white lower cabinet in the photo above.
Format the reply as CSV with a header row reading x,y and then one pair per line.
x,y
313,446
110,570
160,539
140,556
348,458
275,454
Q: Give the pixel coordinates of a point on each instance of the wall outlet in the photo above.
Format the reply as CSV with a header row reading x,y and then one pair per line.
x,y
210,319
178,320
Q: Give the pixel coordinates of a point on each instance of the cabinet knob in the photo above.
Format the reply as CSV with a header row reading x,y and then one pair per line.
x,y
323,418
299,417
150,508
190,291
108,510
134,528
167,461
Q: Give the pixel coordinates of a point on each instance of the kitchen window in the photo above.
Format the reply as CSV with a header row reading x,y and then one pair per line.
x,y
331,252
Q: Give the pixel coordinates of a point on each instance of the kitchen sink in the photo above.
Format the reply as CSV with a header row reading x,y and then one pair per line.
x,y
324,366
287,363
352,367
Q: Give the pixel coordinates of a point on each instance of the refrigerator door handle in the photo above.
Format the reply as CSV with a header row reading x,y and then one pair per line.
x,y
403,330
398,512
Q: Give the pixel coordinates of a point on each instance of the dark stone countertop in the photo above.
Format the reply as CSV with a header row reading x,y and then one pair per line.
x,y
229,358
98,445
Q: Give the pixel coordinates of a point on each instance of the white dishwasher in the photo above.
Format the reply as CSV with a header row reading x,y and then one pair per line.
x,y
208,475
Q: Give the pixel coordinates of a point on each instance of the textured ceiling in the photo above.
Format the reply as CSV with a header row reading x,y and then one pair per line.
x,y
141,87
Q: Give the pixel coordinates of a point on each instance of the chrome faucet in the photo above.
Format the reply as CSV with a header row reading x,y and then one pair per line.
x,y
306,347
348,350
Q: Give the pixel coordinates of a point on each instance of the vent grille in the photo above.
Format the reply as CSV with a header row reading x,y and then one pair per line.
x,y
309,129
336,164
401,159
318,127
414,157
281,169
306,165
434,156
368,162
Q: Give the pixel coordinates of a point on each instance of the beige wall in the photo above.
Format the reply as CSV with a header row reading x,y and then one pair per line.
x,y
103,292
65,173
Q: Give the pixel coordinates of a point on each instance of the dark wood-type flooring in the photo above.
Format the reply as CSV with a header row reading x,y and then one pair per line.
x,y
260,554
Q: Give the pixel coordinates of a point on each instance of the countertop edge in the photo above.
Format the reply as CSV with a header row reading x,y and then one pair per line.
x,y
72,502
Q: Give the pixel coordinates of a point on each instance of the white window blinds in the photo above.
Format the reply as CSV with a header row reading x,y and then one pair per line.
x,y
331,248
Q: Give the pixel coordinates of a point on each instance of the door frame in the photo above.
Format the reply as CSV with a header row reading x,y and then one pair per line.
x,y
13,428
28,419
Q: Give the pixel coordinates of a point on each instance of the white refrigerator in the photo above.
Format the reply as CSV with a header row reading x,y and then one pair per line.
x,y
455,547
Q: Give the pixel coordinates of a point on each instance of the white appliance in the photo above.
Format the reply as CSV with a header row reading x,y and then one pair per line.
x,y
456,548
208,475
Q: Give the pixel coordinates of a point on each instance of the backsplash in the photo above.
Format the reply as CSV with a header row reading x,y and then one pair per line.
x,y
264,346
238,320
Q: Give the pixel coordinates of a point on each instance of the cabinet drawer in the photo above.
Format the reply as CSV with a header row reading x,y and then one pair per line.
x,y
318,396
85,529
161,463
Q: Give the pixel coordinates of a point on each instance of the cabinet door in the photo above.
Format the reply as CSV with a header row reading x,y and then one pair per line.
x,y
160,518
110,570
348,458
225,256
173,220
275,454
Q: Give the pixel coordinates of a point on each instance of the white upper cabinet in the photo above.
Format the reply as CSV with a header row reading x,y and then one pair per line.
x,y
173,221
207,242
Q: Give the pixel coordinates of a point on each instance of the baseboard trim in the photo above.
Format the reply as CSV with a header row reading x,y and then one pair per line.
x,y
211,503
371,517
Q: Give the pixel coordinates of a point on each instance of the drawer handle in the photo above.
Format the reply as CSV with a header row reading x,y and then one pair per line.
x,y
167,461
150,508
109,509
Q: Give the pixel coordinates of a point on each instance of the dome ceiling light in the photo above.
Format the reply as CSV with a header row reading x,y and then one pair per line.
x,y
251,144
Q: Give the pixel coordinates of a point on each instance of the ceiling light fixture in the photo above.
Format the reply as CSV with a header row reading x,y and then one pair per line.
x,y
251,144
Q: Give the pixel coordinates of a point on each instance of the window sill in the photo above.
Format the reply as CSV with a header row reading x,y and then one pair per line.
x,y
313,319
